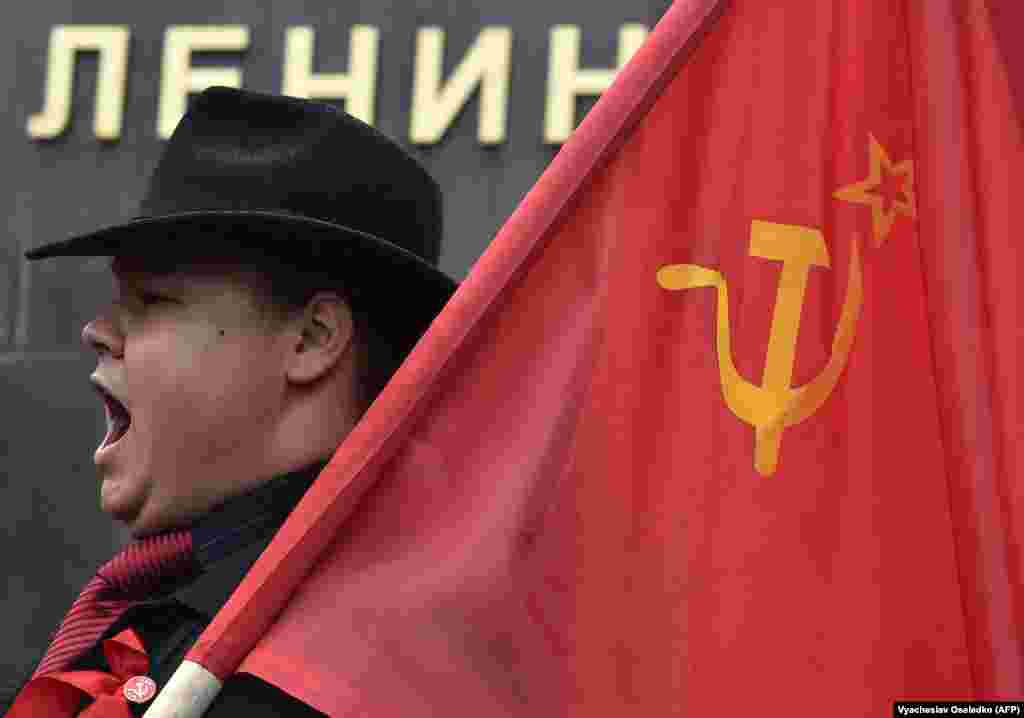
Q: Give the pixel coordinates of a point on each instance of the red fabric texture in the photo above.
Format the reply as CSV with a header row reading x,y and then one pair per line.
x,y
581,496
60,693
970,149
1007,17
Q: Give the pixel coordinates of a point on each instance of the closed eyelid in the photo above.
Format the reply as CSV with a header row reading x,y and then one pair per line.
x,y
129,299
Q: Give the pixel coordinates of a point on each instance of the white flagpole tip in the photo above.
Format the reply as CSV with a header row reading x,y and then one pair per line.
x,y
188,693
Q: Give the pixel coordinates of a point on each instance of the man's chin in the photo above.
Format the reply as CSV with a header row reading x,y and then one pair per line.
x,y
123,499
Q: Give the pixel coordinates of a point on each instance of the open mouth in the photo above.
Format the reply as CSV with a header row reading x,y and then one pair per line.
x,y
118,418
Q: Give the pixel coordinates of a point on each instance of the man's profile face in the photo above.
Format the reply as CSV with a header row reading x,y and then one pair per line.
x,y
196,365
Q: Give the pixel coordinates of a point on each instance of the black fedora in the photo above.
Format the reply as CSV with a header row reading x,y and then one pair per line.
x,y
302,181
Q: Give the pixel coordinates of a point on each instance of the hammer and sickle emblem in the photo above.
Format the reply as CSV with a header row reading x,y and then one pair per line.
x,y
775,405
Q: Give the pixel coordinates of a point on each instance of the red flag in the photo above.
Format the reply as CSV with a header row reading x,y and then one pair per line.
x,y
726,419
970,148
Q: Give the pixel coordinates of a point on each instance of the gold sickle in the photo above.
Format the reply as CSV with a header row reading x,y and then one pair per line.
x,y
774,405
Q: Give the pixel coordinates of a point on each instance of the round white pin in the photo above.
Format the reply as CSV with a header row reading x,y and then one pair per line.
x,y
139,689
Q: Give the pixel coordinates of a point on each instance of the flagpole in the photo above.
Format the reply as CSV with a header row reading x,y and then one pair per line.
x,y
188,693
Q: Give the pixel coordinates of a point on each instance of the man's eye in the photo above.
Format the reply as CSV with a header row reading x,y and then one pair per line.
x,y
149,298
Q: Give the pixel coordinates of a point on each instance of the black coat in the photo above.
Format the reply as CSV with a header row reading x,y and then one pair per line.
x,y
227,542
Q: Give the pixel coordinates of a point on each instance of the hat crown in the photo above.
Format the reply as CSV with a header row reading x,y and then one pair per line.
x,y
241,151
301,182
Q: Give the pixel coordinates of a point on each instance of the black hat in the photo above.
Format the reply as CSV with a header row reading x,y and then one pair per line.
x,y
302,180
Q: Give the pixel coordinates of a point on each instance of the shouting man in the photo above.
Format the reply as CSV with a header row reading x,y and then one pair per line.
x,y
283,265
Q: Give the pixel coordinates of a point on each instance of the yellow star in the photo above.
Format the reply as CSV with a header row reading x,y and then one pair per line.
x,y
880,191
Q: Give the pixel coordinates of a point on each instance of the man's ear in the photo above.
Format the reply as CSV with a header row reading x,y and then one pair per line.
x,y
325,333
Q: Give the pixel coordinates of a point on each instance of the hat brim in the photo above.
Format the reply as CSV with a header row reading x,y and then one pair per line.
x,y
405,291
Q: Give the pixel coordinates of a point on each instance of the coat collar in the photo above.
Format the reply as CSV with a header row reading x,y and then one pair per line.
x,y
230,538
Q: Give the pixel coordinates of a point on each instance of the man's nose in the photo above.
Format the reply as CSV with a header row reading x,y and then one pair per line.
x,y
103,336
